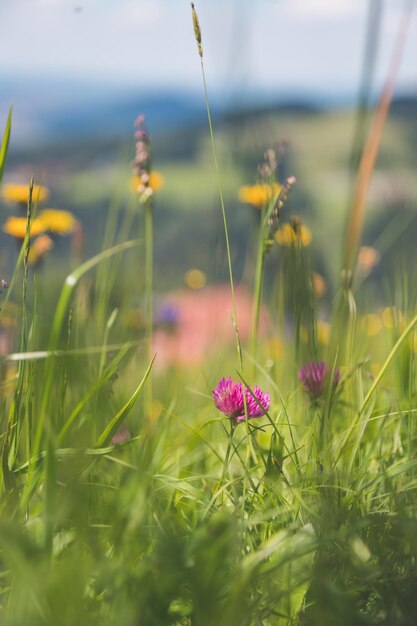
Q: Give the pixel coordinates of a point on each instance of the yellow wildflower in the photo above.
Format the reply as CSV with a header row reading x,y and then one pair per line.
x,y
392,317
294,233
39,248
156,182
19,193
371,324
274,348
323,332
260,194
195,279
16,226
56,221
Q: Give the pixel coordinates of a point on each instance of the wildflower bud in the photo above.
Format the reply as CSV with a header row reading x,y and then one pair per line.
x,y
295,222
291,180
271,159
265,171
197,30
141,135
139,121
314,377
4,284
142,157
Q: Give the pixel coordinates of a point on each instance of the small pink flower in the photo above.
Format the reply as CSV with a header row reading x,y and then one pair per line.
x,y
229,399
314,375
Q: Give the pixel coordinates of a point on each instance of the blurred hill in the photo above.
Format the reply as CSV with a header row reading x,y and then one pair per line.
x,y
87,145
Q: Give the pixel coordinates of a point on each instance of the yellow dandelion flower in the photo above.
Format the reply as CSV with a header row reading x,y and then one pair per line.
x,y
156,182
16,226
19,193
274,348
259,195
392,317
323,332
371,324
195,279
293,234
39,248
59,222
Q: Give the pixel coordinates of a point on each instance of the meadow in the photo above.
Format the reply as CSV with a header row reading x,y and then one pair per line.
x,y
208,377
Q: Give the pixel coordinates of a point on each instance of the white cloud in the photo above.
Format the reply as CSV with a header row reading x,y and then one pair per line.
x,y
325,9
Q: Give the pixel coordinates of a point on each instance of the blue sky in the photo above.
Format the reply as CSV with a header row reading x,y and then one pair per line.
x,y
268,45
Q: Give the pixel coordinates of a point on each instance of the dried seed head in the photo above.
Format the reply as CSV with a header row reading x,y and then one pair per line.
x,y
142,163
273,221
271,159
197,30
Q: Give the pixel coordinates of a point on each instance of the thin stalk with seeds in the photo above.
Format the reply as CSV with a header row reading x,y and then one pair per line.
x,y
197,34
142,170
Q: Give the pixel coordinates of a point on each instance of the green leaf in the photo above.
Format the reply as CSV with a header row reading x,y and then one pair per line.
x,y
119,418
5,143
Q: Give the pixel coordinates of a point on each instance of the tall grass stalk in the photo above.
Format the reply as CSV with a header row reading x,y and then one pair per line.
x,y
197,33
371,149
148,297
259,272
345,308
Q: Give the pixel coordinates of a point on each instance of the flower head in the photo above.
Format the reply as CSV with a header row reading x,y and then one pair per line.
x,y
122,435
155,182
293,234
16,226
260,194
229,399
56,221
39,248
314,375
167,315
19,193
145,181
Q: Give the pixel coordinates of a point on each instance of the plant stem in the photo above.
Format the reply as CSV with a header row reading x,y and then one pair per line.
x,y
257,296
228,450
148,297
226,232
